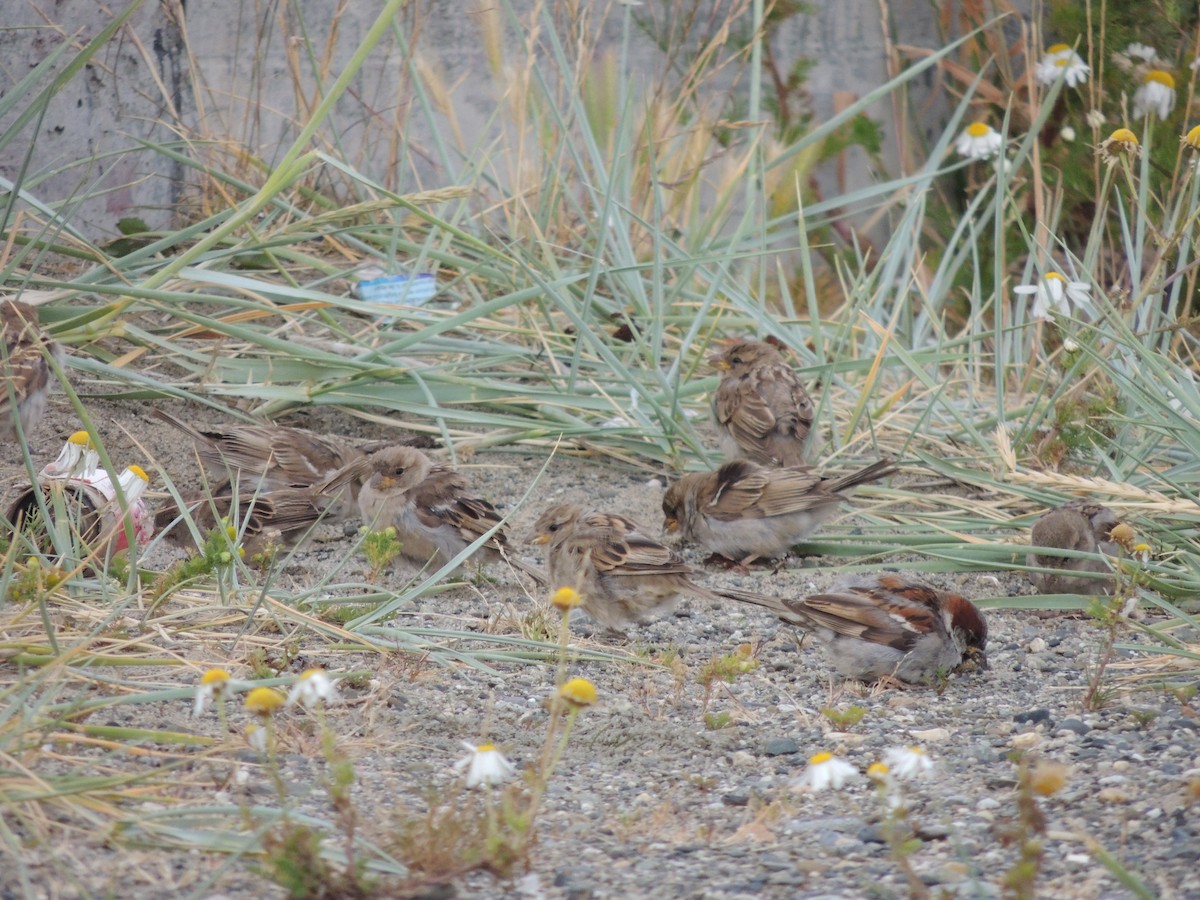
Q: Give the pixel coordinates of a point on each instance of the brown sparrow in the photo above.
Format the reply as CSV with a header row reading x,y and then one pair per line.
x,y
886,626
761,410
430,505
623,576
1077,525
260,518
274,456
27,371
743,511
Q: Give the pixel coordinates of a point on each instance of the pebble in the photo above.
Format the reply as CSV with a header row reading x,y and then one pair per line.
x,y
780,746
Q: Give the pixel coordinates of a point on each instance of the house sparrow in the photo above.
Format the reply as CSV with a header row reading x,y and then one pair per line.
x,y
275,456
1077,525
761,410
886,626
27,371
260,518
743,511
623,576
430,505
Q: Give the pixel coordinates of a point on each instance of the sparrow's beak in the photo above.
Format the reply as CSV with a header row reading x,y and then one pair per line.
x,y
721,363
670,525
974,660
540,538
385,482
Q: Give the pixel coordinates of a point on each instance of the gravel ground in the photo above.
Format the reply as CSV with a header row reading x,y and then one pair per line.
x,y
650,801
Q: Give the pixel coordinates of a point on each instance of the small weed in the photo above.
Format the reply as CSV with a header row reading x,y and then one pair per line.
x,y
380,548
715,721
844,718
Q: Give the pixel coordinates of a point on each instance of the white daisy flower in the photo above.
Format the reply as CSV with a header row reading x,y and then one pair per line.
x,y
1156,94
313,687
1095,118
212,684
825,771
1054,293
1061,61
485,765
77,459
1141,53
908,762
979,141
256,737
1067,133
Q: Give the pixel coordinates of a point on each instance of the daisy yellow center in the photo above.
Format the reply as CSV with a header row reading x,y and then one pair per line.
x,y
877,770
214,676
818,758
1057,48
1160,77
1123,136
80,438
1192,138
578,691
311,673
565,598
1141,548
1052,276
139,472
918,750
263,701
1062,62
485,748
978,129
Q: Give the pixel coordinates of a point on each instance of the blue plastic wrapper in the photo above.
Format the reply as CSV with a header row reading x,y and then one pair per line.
x,y
408,290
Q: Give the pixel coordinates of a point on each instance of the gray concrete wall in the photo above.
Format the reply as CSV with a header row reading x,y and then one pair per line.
x,y
225,70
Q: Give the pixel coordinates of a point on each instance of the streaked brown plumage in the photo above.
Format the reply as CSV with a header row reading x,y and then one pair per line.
x,y
431,506
742,510
260,517
275,456
623,576
888,626
24,364
762,412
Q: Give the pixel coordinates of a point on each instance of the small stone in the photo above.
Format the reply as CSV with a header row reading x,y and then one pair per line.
x,y
1112,795
1026,740
743,760
872,834
1037,645
932,735
1032,717
736,798
988,803
780,746
933,832
1075,725
1109,780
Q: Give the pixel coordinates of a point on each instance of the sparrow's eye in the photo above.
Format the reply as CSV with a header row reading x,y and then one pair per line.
x,y
737,360
398,472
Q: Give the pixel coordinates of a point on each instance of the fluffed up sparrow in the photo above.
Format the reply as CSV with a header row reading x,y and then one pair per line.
x,y
431,506
1078,525
623,576
743,511
23,362
887,626
275,456
260,518
762,412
